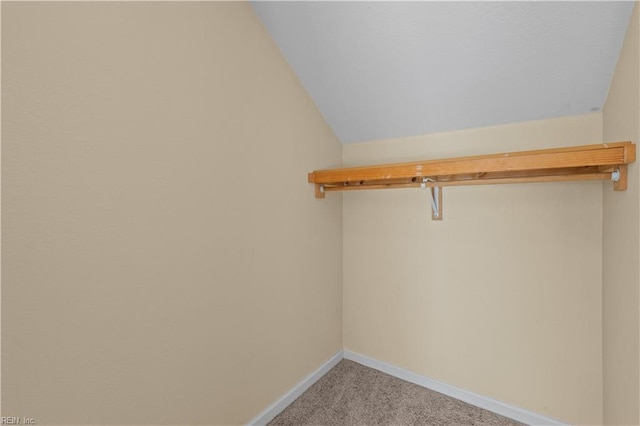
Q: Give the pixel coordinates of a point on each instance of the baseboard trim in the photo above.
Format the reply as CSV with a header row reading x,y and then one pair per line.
x,y
490,404
283,402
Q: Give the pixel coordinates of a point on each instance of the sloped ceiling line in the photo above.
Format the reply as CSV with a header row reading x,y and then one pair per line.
x,y
379,70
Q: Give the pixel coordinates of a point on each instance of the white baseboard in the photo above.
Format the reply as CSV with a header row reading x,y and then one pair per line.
x,y
283,402
490,404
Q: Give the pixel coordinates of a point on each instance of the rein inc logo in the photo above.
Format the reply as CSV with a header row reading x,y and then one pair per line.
x,y
17,421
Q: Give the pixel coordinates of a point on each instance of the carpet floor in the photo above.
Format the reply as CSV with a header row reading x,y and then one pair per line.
x,y
352,394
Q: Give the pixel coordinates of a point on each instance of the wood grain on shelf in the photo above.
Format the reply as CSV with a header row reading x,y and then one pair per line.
x,y
588,162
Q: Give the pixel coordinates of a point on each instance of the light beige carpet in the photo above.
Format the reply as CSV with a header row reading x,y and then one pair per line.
x,y
352,394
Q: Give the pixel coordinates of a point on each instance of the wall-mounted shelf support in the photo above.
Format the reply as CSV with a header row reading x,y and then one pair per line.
x,y
588,162
620,184
435,195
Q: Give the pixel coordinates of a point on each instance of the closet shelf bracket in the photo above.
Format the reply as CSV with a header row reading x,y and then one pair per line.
x,y
435,195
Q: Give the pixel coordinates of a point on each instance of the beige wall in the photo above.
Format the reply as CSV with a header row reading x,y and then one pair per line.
x,y
151,276
502,297
621,245
165,260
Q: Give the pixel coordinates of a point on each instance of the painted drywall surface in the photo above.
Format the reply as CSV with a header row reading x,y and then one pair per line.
x,y
394,69
165,261
502,297
621,245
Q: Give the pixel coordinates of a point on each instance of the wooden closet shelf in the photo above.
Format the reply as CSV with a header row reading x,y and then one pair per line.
x,y
589,162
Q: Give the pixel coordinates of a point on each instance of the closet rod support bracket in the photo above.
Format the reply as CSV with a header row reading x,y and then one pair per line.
x,y
619,178
435,195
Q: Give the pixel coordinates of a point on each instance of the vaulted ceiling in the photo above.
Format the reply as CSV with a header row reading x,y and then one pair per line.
x,y
380,70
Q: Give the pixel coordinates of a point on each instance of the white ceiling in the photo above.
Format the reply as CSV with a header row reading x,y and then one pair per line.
x,y
381,70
